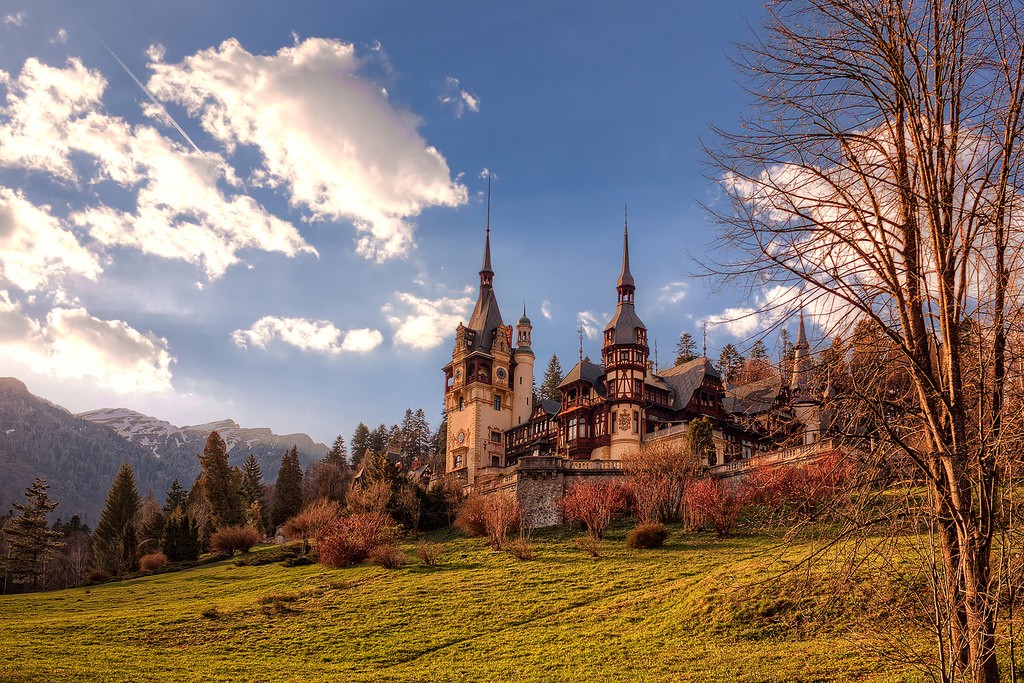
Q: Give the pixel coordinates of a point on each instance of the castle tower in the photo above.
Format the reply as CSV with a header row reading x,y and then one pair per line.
x,y
806,406
522,375
625,354
478,391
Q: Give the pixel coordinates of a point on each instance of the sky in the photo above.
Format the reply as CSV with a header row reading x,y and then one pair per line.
x,y
274,212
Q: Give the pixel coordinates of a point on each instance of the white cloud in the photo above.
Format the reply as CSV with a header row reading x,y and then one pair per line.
x,y
54,115
422,323
75,345
673,292
328,136
14,19
591,326
61,37
36,251
738,322
320,336
545,309
458,98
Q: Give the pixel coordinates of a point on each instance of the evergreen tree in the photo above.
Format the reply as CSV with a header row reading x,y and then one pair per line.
x,y
729,362
415,436
359,444
759,351
31,543
552,378
786,353
338,453
177,497
440,446
252,481
700,439
288,489
114,541
221,494
377,441
182,540
686,349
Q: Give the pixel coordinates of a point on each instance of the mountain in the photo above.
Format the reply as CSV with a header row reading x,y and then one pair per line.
x,y
78,458
177,447
80,454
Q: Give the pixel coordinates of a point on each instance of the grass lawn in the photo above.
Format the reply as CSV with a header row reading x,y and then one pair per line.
x,y
687,612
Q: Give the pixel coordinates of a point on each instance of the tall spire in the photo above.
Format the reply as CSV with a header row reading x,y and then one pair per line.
x,y
801,363
486,274
625,286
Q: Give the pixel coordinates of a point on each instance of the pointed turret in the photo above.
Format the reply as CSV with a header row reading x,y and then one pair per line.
x,y
625,324
798,385
626,287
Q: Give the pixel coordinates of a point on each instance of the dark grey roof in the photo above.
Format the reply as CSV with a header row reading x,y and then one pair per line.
x,y
587,372
550,407
626,278
625,323
686,378
486,319
754,398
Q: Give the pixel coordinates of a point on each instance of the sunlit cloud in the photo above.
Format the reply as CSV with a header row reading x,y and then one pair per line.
x,y
422,323
318,336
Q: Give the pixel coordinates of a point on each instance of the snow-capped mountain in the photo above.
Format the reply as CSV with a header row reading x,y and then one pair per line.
x,y
180,445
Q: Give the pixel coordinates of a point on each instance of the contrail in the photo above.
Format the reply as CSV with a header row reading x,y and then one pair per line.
x,y
144,89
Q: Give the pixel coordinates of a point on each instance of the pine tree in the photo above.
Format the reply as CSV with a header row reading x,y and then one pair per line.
x,y
182,540
114,541
359,444
759,351
786,353
177,497
218,485
552,378
729,361
338,453
31,543
252,481
686,349
415,436
377,441
288,489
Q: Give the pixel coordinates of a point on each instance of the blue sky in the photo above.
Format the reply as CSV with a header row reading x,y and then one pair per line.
x,y
298,254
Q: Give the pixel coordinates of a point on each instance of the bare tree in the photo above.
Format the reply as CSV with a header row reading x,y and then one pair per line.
x,y
878,179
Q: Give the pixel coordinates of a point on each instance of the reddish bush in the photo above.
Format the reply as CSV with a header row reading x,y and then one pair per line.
x,y
350,540
494,516
522,549
429,553
802,489
717,502
152,562
232,538
312,522
594,505
648,535
98,576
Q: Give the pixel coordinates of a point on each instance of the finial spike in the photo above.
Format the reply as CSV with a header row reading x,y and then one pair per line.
x,y
488,202
581,342
705,351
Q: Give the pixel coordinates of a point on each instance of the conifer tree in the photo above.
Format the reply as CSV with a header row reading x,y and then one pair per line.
x,y
377,441
252,481
114,541
686,349
182,540
359,444
218,486
288,489
177,497
31,543
552,378
338,453
786,353
729,361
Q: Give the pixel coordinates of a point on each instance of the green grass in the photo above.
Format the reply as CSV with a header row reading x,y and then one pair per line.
x,y
700,609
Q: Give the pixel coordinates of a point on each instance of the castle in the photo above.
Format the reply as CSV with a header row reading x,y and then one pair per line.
x,y
499,438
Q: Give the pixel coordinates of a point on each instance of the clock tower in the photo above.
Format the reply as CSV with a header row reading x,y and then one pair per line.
x,y
479,399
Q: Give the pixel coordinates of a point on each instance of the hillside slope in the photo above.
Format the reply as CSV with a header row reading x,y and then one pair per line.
x,y
693,611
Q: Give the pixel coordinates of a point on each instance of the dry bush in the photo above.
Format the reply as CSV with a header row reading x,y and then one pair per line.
x,y
594,505
152,562
648,535
470,518
522,549
231,538
661,471
388,556
429,553
590,545
311,523
717,502
98,576
374,498
494,516
350,540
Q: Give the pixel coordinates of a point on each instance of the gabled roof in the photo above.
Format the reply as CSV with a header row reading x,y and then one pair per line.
x,y
486,319
587,372
548,406
625,323
756,397
686,378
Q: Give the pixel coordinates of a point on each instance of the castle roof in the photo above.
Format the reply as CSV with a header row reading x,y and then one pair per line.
x,y
486,318
625,322
755,397
686,378
585,371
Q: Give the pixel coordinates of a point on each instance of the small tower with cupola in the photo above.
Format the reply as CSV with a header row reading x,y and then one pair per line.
x,y
625,354
522,373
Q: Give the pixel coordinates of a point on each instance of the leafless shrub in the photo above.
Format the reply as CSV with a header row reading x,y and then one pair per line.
x,y
429,553
594,504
